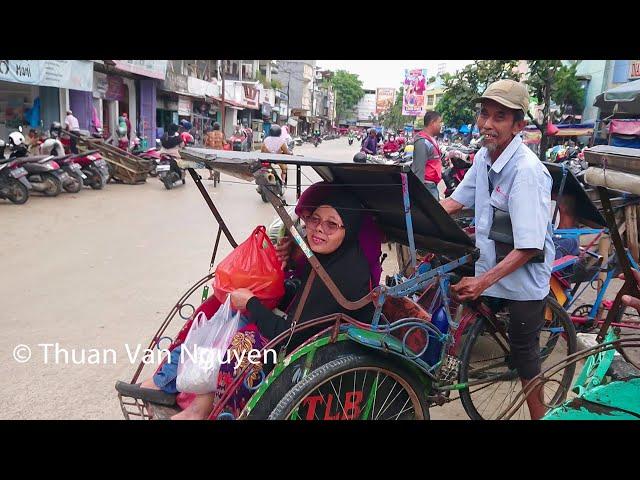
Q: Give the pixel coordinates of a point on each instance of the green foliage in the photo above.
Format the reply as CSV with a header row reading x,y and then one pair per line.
x,y
348,89
457,104
393,117
275,83
550,81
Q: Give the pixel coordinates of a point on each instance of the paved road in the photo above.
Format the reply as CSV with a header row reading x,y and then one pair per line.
x,y
100,270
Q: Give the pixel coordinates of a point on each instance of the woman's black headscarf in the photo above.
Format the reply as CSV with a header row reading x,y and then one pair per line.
x,y
347,267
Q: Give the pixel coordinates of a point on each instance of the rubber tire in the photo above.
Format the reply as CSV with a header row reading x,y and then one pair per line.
x,y
75,187
56,181
347,362
98,182
476,330
24,192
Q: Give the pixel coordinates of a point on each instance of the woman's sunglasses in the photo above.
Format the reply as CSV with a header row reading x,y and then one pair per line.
x,y
328,226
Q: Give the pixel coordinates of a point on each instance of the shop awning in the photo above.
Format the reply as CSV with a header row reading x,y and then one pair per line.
x,y
626,97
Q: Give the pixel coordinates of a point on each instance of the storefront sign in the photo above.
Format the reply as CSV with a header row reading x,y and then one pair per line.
x,y
184,105
634,70
251,96
196,86
415,84
148,68
73,74
175,82
110,87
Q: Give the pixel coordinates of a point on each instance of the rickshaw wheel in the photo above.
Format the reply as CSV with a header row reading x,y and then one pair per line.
x,y
356,386
487,400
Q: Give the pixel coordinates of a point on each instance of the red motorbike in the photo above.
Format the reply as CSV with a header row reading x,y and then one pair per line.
x,y
460,162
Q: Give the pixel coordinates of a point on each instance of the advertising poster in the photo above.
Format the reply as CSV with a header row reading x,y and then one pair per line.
x,y
415,83
384,99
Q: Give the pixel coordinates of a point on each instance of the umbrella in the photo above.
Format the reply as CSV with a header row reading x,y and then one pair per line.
x,y
626,96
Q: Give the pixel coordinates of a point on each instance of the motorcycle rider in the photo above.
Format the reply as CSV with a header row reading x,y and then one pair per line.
x,y
275,142
171,145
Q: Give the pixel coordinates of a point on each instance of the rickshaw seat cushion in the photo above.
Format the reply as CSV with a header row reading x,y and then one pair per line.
x,y
397,308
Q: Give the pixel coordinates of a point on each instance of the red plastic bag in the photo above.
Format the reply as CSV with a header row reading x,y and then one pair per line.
x,y
253,265
226,146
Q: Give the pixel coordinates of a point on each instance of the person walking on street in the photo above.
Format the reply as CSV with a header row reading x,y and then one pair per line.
x,y
427,164
370,143
72,125
507,182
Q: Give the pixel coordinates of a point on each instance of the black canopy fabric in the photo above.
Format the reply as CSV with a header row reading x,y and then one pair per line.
x,y
377,186
588,214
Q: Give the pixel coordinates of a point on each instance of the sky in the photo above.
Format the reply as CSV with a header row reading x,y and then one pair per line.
x,y
388,73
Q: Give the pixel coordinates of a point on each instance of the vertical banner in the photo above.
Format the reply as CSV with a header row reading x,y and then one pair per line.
x,y
385,97
415,83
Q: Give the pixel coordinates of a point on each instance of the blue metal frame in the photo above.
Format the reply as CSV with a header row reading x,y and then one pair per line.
x,y
421,282
408,220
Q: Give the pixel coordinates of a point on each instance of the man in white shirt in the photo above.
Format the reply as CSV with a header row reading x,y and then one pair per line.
x,y
72,125
506,176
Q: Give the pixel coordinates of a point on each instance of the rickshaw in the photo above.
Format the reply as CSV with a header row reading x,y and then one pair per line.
x,y
400,364
608,386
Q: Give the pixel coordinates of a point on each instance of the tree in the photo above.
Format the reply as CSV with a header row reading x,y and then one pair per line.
x,y
552,82
457,104
393,117
349,91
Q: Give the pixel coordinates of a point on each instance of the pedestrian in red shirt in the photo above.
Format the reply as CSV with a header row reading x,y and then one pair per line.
x,y
427,164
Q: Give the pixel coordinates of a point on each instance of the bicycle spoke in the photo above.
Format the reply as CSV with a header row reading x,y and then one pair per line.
x,y
394,399
402,410
386,399
338,395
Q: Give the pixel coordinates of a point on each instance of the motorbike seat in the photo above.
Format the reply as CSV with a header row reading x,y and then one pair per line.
x,y
34,159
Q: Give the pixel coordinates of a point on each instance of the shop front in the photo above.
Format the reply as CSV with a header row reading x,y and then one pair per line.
x,y
111,98
33,92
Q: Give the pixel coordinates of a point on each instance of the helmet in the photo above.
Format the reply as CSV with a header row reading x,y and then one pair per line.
x,y
275,131
360,157
186,124
16,139
55,129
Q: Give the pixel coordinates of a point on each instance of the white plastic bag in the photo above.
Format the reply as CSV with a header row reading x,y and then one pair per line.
x,y
205,348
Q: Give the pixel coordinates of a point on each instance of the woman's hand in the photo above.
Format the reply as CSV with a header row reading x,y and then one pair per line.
x,y
240,297
283,250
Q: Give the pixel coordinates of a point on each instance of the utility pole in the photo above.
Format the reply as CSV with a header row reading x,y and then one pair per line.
x,y
222,110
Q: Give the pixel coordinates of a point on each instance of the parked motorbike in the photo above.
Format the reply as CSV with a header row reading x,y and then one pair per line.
x,y
169,173
298,140
14,185
275,183
44,174
460,163
94,168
